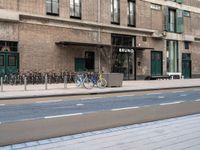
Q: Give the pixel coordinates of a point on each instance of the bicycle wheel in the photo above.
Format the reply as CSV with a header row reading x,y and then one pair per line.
x,y
78,81
88,84
101,83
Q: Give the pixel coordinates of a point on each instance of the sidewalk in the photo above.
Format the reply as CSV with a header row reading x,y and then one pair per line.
x,y
14,92
172,134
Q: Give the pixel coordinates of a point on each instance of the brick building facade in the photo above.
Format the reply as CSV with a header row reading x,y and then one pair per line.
x,y
153,37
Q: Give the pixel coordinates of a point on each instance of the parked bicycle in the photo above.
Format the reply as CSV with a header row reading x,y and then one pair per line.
x,y
82,80
98,80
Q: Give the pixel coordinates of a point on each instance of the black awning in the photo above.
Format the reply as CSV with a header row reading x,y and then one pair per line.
x,y
98,45
68,43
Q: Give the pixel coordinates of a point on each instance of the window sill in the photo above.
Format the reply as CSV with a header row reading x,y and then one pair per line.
x,y
130,25
52,14
75,17
115,23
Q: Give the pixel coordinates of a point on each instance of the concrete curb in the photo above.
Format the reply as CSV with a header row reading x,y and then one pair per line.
x,y
94,93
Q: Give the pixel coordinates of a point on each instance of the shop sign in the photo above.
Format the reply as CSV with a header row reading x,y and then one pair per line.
x,y
126,50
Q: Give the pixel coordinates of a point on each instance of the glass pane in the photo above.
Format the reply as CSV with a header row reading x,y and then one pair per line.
x,y
55,7
172,20
172,56
1,60
12,61
48,6
131,13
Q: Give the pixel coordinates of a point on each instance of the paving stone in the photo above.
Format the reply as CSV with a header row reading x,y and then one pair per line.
x,y
32,143
18,146
6,148
44,142
172,134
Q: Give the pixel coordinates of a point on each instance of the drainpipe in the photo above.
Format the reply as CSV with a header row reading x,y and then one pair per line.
x,y
99,30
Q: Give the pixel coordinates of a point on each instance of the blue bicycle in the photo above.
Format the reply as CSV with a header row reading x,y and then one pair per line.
x,y
82,80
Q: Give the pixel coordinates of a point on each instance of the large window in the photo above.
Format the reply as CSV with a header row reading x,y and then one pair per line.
x,y
172,56
131,13
115,12
52,7
172,20
75,9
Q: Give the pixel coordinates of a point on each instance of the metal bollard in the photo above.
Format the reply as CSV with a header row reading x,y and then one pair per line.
x,y
46,82
1,84
25,84
65,82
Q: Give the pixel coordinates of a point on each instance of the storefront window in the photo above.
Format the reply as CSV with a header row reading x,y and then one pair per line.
x,y
172,56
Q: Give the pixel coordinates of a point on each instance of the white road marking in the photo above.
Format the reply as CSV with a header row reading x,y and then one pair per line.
x,y
28,119
51,101
60,116
153,93
2,104
161,97
87,98
125,95
196,90
198,100
126,108
182,95
79,104
177,102
178,91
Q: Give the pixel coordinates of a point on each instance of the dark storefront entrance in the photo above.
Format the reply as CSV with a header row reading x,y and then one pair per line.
x,y
121,55
123,58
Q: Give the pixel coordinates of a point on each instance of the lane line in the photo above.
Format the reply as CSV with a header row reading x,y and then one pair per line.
x,y
60,116
125,108
2,104
161,97
196,90
177,102
198,100
53,101
182,95
178,91
87,98
79,104
125,95
153,93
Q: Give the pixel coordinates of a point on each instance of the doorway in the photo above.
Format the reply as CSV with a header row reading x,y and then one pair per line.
x,y
156,63
9,62
186,65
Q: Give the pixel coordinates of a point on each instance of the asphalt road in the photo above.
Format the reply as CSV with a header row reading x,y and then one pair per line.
x,y
36,120
90,104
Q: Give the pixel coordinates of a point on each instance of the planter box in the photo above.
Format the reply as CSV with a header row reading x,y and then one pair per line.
x,y
113,79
